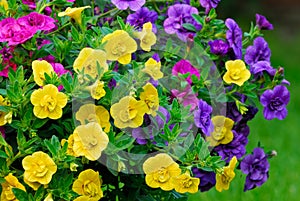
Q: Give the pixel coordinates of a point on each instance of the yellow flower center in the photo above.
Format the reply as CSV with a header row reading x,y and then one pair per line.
x,y
128,114
235,74
8,193
48,103
118,49
90,189
162,175
219,133
41,169
187,183
150,101
93,118
92,142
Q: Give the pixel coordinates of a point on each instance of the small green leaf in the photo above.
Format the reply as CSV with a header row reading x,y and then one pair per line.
x,y
20,194
3,154
189,27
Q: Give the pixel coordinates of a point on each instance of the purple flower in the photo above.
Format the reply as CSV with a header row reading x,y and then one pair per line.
x,y
186,97
30,3
260,51
202,117
234,36
142,16
183,67
256,166
37,21
132,4
262,66
235,148
274,102
209,4
208,179
263,23
178,15
218,47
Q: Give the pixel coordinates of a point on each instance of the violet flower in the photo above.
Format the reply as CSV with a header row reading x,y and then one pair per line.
x,y
132,4
234,36
218,47
263,23
202,117
208,179
183,67
259,51
142,16
258,68
37,21
274,102
256,166
209,4
178,15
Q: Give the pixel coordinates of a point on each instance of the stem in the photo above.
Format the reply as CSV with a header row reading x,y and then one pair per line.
x,y
108,12
57,30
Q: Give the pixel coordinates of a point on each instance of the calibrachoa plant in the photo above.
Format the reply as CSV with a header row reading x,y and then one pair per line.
x,y
131,100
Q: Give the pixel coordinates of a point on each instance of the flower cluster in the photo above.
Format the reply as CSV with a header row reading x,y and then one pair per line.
x,y
125,100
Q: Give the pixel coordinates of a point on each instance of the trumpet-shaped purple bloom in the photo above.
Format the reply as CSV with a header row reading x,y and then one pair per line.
x,y
263,23
218,47
256,166
234,36
202,117
259,51
183,67
209,4
258,68
36,21
132,4
142,16
274,102
208,179
178,15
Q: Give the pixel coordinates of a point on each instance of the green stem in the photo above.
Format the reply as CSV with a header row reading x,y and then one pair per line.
x,y
57,30
108,12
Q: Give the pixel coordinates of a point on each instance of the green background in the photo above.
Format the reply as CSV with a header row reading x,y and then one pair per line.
x,y
282,136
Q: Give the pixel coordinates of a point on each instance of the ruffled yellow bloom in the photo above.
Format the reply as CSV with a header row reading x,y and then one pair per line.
x,y
39,168
39,69
152,68
159,170
222,133
49,197
5,117
119,46
48,102
237,72
74,13
223,179
4,4
70,145
92,113
89,141
10,182
97,90
150,97
87,60
147,37
88,185
185,183
128,112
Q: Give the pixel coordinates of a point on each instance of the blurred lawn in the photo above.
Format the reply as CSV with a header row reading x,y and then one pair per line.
x,y
282,136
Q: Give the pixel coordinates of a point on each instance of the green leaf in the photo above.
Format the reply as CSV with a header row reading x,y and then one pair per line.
x,y
189,27
50,147
198,19
20,194
2,141
3,92
3,154
39,194
121,22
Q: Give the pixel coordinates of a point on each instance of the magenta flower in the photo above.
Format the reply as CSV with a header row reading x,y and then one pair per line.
x,y
37,21
183,67
2,130
59,69
132,4
186,97
30,3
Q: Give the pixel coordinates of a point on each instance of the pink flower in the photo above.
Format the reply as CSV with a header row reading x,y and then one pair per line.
x,y
30,3
59,69
37,21
183,67
186,97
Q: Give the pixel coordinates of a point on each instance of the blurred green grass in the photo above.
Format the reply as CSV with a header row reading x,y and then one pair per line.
x,y
282,136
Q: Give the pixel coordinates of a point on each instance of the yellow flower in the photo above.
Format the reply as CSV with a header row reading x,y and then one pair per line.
x,y
223,179
119,46
92,113
97,90
87,60
39,168
4,4
9,183
150,97
88,185
237,72
159,170
152,68
222,133
39,69
49,197
5,117
128,112
89,141
70,145
185,183
74,13
147,37
48,102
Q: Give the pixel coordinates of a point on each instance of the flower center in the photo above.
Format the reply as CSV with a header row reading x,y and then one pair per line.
x,y
187,182
41,169
162,175
276,104
219,133
118,49
235,74
90,189
48,103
